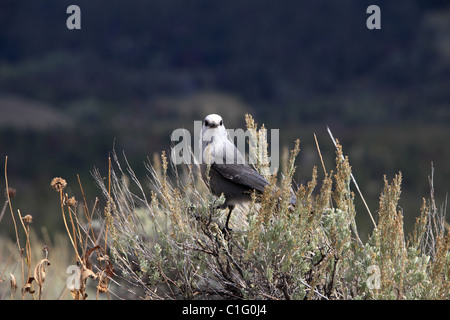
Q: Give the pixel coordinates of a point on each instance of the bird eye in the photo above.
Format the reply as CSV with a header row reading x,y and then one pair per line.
x,y
206,123
221,122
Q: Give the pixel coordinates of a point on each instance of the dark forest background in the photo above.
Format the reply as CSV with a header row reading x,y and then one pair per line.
x,y
137,70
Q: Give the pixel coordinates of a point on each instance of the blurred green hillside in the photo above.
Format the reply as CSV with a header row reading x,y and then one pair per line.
x,y
137,70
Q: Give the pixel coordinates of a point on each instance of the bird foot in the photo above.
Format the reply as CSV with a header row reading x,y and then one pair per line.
x,y
226,231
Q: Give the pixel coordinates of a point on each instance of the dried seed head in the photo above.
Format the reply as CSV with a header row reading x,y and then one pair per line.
x,y
58,184
28,218
39,271
27,287
45,251
10,192
13,283
71,202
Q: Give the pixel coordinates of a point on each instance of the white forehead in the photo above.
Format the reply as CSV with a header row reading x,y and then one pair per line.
x,y
213,118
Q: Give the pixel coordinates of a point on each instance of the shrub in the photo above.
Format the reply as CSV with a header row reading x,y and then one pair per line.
x,y
166,238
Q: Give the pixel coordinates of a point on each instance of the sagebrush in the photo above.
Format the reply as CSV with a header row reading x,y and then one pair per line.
x,y
166,238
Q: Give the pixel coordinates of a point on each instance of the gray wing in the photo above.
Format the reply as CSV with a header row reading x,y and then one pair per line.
x,y
241,174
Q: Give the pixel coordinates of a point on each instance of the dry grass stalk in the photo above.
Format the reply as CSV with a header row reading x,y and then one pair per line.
x,y
80,238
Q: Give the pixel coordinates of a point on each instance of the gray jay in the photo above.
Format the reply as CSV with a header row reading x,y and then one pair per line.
x,y
228,173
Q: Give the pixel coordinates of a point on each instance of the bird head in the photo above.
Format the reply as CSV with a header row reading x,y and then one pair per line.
x,y
213,121
212,138
213,125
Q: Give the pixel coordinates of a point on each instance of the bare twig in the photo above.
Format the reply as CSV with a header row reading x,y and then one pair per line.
x,y
354,181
